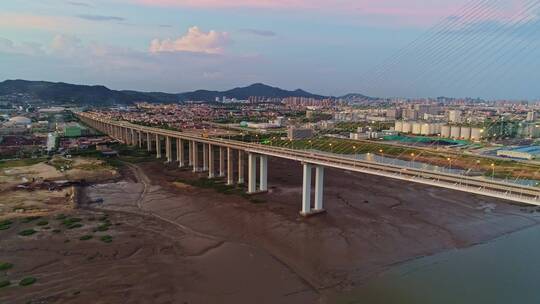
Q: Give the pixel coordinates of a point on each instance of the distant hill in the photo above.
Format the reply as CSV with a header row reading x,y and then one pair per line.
x,y
356,96
59,92
257,89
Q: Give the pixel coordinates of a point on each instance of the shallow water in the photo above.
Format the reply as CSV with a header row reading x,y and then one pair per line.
x,y
504,271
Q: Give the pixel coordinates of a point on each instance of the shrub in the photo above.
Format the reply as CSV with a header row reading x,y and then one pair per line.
x,y
57,231
6,222
4,227
27,232
75,225
42,223
30,219
4,283
61,217
85,237
27,281
106,238
5,266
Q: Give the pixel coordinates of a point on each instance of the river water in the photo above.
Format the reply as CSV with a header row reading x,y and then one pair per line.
x,y
504,271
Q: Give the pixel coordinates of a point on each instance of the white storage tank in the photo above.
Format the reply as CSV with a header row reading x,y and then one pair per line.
x,y
465,133
476,133
399,126
416,128
407,127
455,132
445,131
426,129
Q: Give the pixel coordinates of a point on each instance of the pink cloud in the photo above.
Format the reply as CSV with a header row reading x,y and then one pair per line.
x,y
195,41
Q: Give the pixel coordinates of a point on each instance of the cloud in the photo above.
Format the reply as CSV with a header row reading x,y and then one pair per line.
x,y
77,3
66,45
100,18
264,33
195,41
9,47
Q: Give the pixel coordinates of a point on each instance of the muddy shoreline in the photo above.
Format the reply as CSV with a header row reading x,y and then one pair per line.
x,y
203,246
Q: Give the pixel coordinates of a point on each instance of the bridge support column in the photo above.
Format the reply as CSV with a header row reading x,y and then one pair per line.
x,y
252,173
230,164
140,139
221,162
168,149
158,147
148,142
306,190
205,157
132,137
190,153
319,188
180,152
241,179
195,157
211,170
264,173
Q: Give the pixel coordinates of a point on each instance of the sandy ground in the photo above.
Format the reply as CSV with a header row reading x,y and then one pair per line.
x,y
182,244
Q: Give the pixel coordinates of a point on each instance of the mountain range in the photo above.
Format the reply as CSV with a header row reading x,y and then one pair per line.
x,y
59,93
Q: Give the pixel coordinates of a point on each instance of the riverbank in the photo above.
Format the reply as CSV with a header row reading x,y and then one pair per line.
x,y
207,245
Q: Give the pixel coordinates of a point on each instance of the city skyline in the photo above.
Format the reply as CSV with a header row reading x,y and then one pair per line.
x,y
178,46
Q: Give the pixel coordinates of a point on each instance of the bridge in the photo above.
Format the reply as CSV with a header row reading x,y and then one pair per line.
x,y
161,141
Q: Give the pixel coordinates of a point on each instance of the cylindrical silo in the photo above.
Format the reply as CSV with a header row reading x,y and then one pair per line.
x,y
445,131
399,126
476,134
416,128
407,127
426,129
465,133
455,131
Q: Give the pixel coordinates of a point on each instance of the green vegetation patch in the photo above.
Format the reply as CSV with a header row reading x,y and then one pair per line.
x,y
217,185
74,226
106,238
57,231
30,219
4,283
4,227
61,217
21,162
27,281
27,232
5,266
6,222
86,237
42,223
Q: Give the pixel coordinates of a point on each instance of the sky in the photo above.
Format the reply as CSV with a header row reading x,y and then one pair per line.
x,y
329,47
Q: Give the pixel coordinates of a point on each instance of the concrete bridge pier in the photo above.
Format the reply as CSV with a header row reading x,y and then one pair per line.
x,y
252,173
190,153
211,170
306,190
158,147
148,142
263,183
230,164
241,179
196,157
205,157
140,139
221,162
168,149
180,152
